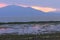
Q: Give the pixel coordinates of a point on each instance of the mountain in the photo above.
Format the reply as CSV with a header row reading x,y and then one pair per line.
x,y
15,13
18,11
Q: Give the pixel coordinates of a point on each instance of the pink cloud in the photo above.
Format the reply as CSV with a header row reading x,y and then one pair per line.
x,y
23,5
44,9
3,5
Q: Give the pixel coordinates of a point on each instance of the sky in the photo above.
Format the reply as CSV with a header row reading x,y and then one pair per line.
x,y
44,5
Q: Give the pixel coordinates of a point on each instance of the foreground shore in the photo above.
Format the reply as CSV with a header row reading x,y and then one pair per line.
x,y
54,36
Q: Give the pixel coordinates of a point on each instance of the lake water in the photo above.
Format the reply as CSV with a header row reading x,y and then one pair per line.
x,y
29,28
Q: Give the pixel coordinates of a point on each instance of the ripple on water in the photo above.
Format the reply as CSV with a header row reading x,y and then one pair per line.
x,y
29,29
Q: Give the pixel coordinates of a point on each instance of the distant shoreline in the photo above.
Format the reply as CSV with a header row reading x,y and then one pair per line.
x,y
32,22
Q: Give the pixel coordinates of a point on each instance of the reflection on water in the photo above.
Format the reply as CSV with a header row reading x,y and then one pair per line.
x,y
29,28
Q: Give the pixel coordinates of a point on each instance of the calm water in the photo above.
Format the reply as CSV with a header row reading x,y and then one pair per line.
x,y
29,28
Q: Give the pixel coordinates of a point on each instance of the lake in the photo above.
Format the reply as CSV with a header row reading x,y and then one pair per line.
x,y
22,29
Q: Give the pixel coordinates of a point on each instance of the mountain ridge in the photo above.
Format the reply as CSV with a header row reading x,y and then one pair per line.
x,y
12,9
21,14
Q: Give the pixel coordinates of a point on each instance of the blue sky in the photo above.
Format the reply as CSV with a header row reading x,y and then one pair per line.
x,y
45,3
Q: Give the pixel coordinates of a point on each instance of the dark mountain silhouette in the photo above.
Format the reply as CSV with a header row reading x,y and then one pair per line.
x,y
18,13
13,11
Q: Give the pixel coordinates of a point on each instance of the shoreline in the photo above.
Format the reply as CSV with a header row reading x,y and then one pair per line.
x,y
32,22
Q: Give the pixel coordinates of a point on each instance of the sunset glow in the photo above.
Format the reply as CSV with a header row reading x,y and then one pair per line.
x,y
2,5
22,5
44,9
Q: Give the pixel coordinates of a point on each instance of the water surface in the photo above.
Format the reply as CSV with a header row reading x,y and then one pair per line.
x,y
29,28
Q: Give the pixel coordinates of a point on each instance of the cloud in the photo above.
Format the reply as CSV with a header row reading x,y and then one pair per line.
x,y
3,5
22,5
44,9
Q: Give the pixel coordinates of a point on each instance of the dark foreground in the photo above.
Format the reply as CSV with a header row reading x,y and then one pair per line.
x,y
55,36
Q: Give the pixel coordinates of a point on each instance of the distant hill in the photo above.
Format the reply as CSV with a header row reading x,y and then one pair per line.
x,y
15,13
18,11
